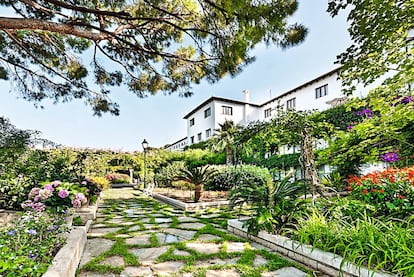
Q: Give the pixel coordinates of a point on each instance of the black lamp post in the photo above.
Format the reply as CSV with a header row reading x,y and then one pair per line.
x,y
145,147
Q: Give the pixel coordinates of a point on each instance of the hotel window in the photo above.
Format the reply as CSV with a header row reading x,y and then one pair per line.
x,y
208,133
268,112
291,104
207,112
199,136
192,139
321,91
227,110
192,121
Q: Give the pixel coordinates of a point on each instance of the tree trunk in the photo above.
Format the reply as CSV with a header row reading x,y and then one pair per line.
x,y
198,192
308,163
229,156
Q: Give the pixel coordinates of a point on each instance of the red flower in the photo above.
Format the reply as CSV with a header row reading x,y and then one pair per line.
x,y
382,191
400,196
349,188
374,190
364,191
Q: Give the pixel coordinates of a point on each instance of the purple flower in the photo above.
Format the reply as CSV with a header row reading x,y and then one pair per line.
x,y
12,233
38,207
365,112
36,198
49,187
63,193
32,232
406,100
390,157
403,100
32,255
349,128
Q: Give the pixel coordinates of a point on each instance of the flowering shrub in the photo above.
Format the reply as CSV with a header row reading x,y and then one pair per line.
x,y
100,182
13,191
391,190
28,247
117,178
58,196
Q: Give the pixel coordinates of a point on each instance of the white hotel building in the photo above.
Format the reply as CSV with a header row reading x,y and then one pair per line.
x,y
319,93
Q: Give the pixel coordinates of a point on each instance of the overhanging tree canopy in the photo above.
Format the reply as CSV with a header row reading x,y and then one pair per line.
x,y
149,46
381,43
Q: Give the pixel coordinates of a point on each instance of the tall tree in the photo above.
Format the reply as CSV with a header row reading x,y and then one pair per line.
x,y
224,139
13,143
149,46
382,43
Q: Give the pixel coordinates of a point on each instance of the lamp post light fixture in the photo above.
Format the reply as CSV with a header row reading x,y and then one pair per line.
x,y
145,147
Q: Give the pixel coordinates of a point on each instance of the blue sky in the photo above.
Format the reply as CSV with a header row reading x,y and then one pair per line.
x,y
159,119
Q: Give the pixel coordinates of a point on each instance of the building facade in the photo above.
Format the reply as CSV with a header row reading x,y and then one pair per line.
x,y
320,93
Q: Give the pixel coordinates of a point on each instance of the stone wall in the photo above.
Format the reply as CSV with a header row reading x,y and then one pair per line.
x,y
6,216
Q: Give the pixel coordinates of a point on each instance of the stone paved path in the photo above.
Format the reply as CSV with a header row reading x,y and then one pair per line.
x,y
134,235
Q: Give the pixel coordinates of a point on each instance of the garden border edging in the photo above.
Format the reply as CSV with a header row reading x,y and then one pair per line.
x,y
315,258
67,259
190,206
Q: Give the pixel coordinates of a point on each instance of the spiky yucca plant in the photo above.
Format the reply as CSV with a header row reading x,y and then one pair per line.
x,y
197,176
273,203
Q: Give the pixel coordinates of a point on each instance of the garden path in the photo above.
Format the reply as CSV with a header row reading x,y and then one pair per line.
x,y
134,235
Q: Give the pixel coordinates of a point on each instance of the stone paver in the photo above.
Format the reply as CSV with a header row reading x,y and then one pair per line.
x,y
140,239
235,247
132,271
259,260
162,220
207,237
140,218
99,232
187,235
167,267
212,262
221,273
95,247
181,253
113,261
192,225
167,238
285,272
148,255
94,274
204,248
187,219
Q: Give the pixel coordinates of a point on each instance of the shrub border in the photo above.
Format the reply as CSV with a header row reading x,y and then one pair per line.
x,y
329,263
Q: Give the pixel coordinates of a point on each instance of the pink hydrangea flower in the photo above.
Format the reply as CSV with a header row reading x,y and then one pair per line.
x,y
49,187
45,194
77,203
33,192
63,193
80,196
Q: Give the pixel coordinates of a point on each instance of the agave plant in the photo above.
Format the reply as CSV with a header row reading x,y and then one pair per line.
x,y
197,176
273,203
